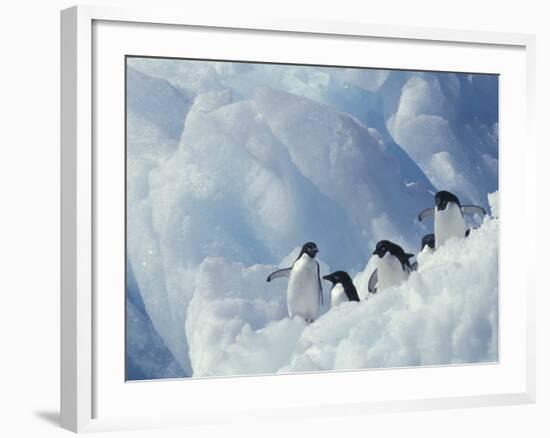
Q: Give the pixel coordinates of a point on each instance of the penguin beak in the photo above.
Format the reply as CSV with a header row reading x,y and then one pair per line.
x,y
327,277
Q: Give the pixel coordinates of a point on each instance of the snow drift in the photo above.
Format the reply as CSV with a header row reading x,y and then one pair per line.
x,y
446,313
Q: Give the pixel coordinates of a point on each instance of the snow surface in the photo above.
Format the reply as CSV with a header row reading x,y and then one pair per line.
x,y
445,313
230,166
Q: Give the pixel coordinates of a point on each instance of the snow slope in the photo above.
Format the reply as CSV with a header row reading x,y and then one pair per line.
x,y
446,313
233,165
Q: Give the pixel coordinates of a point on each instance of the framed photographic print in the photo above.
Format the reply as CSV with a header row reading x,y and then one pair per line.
x,y
257,209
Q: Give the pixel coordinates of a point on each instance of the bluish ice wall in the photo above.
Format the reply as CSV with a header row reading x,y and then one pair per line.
x,y
246,162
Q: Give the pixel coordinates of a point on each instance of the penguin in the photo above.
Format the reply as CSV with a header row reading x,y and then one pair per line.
x,y
448,217
342,288
428,241
393,266
304,291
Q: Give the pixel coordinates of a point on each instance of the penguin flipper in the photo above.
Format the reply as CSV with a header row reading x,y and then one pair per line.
x,y
426,213
373,282
474,209
279,274
320,286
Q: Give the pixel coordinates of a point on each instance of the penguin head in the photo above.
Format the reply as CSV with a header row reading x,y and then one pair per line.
x,y
385,246
443,198
310,248
429,241
338,277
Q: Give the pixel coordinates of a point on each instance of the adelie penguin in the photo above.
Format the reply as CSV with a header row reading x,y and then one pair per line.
x,y
448,217
342,290
393,266
304,292
428,241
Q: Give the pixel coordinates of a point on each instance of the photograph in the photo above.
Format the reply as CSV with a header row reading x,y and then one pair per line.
x,y
296,218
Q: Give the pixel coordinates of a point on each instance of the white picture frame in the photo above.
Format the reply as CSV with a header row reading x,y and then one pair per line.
x,y
89,399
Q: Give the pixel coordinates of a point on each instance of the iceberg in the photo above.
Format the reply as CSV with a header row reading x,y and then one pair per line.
x,y
231,165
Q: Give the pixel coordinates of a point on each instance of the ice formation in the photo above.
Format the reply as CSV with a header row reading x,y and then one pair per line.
x,y
231,166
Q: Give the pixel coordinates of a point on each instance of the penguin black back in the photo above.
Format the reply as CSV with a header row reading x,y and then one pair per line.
x,y
345,280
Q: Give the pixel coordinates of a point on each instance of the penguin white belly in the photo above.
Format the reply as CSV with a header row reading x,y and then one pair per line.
x,y
448,223
337,295
390,272
303,289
